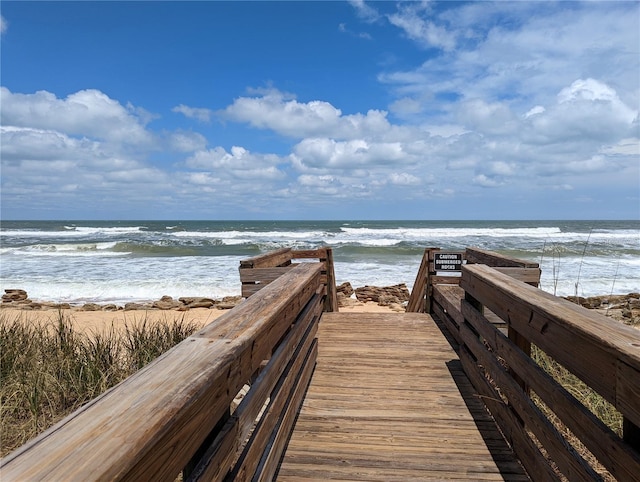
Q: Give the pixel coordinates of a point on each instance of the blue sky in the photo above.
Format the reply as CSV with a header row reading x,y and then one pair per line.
x,y
320,110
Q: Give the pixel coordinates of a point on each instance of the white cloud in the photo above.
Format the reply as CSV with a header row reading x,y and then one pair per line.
x,y
315,181
509,96
404,179
323,153
525,52
277,111
494,118
364,11
3,25
595,92
183,141
405,105
198,113
425,32
82,150
342,27
625,147
89,113
24,143
204,178
502,168
51,165
239,163
587,110
538,109
484,181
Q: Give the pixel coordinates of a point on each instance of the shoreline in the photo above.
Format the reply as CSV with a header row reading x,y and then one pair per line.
x,y
101,318
98,319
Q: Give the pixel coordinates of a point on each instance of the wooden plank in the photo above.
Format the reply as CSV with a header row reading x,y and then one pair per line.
x,y
150,425
490,258
262,275
269,422
570,463
250,289
628,391
271,458
588,344
279,257
319,254
606,446
385,404
445,280
528,452
449,297
444,316
526,275
225,449
418,294
331,302
261,270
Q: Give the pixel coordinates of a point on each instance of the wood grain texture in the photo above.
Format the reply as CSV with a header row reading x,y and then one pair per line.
x,y
620,459
225,449
149,426
526,275
259,271
588,344
490,258
262,275
528,452
278,257
558,449
385,403
417,298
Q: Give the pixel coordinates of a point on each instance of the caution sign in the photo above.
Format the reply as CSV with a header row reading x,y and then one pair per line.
x,y
447,262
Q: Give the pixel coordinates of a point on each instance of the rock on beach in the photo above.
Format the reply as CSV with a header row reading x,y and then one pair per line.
x,y
394,297
625,308
19,299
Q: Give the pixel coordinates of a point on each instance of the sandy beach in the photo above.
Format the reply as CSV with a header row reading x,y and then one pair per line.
x,y
99,321
624,308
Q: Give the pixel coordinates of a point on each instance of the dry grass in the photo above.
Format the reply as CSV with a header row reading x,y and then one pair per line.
x,y
588,397
48,370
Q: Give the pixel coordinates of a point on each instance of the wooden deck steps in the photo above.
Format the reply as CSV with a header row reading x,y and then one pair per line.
x,y
389,401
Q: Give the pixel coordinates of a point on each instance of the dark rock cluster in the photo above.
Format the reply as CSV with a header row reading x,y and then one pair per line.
x,y
15,298
395,297
625,308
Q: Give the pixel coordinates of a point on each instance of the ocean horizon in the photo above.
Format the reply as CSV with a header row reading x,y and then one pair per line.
x,y
124,261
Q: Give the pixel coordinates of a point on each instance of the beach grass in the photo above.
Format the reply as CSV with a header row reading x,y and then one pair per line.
x,y
587,396
50,369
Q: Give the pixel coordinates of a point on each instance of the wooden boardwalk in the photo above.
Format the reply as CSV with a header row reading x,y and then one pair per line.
x,y
389,401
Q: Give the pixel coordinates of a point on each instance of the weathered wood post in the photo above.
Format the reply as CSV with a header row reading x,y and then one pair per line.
x,y
331,301
420,298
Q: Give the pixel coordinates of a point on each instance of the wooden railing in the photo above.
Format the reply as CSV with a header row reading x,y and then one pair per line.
x,y
421,297
603,353
175,414
259,271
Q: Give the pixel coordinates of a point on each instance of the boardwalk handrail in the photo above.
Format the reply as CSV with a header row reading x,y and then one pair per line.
x,y
421,295
603,353
175,412
258,271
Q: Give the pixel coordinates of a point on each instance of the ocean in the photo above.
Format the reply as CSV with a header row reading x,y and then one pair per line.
x,y
123,261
